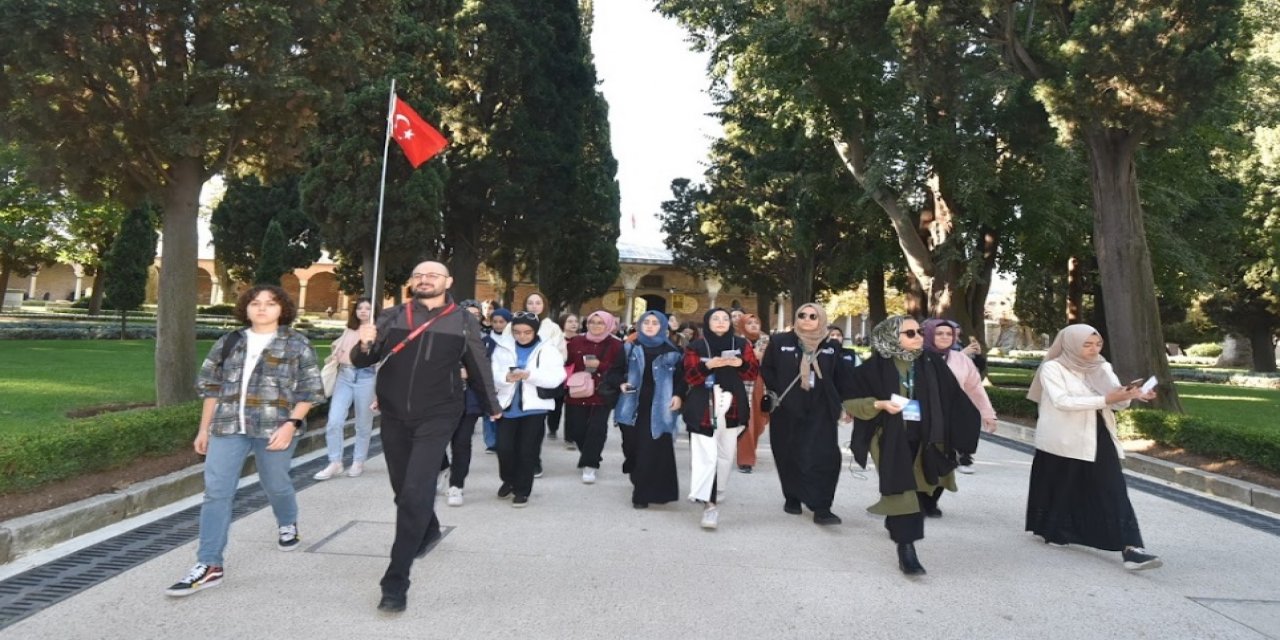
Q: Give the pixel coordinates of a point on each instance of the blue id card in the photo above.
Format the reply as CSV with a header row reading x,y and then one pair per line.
x,y
911,412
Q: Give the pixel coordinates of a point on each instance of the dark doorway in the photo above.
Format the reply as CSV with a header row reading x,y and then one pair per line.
x,y
654,303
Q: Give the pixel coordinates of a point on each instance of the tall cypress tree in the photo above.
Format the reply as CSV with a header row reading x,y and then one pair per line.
x,y
131,254
271,264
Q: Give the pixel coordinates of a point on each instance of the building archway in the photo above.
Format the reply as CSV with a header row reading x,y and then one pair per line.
x,y
323,293
204,287
652,302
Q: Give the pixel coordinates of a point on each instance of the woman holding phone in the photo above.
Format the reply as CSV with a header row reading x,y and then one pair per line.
x,y
586,410
522,365
1078,493
716,407
651,381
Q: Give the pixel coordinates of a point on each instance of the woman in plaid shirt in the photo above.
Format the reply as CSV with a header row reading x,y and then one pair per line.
x,y
258,384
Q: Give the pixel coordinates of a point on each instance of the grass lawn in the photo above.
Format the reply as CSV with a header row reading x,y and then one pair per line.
x,y
1216,402
41,380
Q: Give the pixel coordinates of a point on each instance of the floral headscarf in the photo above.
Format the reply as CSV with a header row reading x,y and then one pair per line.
x,y
884,339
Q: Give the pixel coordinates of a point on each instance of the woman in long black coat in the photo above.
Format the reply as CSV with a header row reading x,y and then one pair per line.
x,y
911,416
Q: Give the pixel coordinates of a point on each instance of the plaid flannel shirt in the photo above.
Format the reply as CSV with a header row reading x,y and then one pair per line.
x,y
287,373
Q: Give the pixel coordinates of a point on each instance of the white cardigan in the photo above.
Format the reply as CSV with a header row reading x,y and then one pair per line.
x,y
544,371
1067,425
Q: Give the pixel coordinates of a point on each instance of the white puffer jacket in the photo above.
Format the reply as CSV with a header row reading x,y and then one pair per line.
x,y
546,370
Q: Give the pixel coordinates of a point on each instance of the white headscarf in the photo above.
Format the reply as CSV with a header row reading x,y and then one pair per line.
x,y
1068,350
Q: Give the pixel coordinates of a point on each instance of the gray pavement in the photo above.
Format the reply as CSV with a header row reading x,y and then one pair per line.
x,y
579,562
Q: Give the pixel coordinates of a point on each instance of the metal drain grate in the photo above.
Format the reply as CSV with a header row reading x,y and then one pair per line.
x,y
1251,519
36,589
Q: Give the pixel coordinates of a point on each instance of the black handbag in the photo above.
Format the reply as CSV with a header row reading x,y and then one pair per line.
x,y
770,400
554,393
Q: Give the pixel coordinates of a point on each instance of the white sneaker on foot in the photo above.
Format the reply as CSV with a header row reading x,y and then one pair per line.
x,y
201,576
588,475
710,518
356,469
330,471
455,496
965,468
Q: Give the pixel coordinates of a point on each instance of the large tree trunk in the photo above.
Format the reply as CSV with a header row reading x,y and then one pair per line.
x,y
95,298
464,265
877,308
5,272
1075,291
1135,336
1264,354
176,315
764,300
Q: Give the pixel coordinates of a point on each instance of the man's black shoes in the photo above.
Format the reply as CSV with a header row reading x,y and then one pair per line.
x,y
392,603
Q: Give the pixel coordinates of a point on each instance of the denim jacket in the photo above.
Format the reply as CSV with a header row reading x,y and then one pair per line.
x,y
287,373
666,376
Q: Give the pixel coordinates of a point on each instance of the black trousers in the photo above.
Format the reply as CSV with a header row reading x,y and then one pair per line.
x,y
806,451
905,529
519,445
553,417
413,450
588,426
460,445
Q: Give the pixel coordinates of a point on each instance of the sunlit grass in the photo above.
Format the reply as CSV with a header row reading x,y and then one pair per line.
x,y
1217,402
42,380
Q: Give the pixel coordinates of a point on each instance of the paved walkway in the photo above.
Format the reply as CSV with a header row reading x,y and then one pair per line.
x,y
579,562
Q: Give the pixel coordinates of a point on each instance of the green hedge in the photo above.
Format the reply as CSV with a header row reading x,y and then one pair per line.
x,y
1205,350
1257,444
95,444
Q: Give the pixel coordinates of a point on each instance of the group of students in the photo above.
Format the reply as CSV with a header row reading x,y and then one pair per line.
x,y
917,406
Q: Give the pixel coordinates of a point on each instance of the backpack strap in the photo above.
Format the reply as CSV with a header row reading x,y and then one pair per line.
x,y
229,345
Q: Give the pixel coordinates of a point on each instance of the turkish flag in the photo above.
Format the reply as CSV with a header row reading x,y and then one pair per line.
x,y
419,140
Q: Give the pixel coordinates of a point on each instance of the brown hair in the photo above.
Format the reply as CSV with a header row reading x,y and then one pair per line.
x,y
353,322
288,310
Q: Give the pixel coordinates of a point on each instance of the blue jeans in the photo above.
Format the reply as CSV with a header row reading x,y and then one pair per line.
x,y
490,434
222,467
353,386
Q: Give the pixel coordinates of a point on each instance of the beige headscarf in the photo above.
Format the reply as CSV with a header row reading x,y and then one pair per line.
x,y
809,343
1068,349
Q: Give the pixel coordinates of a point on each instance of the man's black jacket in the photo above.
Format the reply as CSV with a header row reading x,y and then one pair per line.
x,y
424,378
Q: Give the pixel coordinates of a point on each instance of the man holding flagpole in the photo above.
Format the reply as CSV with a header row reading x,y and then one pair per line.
x,y
419,347
420,393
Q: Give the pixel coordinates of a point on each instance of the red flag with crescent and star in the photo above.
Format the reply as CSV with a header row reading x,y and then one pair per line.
x,y
418,139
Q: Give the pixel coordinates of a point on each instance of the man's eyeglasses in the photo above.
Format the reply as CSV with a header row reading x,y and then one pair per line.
x,y
807,316
524,315
429,276
911,333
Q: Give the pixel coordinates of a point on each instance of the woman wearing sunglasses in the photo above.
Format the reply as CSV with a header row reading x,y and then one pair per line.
x,y
716,407
810,374
907,413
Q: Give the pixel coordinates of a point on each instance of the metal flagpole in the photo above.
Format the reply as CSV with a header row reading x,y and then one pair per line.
x,y
376,294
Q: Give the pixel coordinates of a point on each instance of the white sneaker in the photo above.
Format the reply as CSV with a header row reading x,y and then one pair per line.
x,y
455,496
710,518
588,475
965,468
330,471
356,469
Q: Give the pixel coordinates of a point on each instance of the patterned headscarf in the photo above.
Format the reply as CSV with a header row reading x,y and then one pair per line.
x,y
1067,349
931,325
884,339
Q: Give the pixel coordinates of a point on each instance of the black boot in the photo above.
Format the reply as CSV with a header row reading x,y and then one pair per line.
x,y
907,560
392,602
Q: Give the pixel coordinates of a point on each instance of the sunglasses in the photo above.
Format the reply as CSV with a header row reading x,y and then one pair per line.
x,y
807,316
524,315
911,333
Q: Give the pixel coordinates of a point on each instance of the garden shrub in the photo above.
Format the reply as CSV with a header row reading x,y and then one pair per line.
x,y
1205,350
1257,444
94,444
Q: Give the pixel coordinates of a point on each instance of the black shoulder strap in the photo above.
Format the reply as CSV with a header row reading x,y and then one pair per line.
x,y
230,343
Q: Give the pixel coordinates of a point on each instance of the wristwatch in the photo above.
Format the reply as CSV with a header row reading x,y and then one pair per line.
x,y
298,423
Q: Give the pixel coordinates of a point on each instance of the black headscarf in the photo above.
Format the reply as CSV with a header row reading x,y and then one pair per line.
x,y
719,343
711,345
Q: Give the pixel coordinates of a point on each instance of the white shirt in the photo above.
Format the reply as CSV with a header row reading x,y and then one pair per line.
x,y
255,344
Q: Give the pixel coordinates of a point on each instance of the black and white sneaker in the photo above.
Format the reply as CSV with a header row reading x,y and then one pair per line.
x,y
289,537
1137,559
201,576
